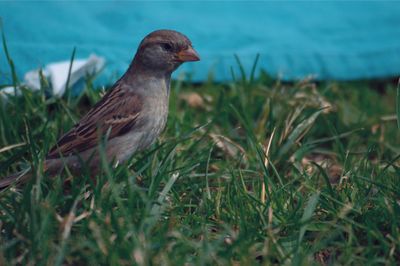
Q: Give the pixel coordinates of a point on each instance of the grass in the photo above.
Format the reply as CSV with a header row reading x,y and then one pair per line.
x,y
252,171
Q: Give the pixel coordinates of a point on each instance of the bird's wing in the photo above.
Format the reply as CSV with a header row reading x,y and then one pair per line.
x,y
115,114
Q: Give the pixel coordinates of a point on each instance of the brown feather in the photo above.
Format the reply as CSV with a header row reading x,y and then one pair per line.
x,y
118,109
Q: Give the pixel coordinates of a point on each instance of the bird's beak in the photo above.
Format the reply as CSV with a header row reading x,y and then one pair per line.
x,y
188,54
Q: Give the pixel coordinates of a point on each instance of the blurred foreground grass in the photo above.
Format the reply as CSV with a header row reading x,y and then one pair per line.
x,y
251,171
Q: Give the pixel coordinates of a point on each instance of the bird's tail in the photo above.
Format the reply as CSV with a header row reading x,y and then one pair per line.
x,y
17,178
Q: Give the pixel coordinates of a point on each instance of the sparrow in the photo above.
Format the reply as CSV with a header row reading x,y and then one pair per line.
x,y
130,116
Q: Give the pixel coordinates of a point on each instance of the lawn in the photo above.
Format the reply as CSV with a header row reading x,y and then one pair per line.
x,y
251,171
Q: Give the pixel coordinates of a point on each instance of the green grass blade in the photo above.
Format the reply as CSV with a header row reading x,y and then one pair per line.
x,y
67,88
9,60
308,213
241,68
253,69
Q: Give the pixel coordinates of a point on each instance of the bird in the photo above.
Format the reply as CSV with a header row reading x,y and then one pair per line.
x,y
130,116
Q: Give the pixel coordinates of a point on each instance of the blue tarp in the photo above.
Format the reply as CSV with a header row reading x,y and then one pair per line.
x,y
331,40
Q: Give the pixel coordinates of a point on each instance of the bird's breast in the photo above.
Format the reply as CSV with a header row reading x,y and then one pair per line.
x,y
155,113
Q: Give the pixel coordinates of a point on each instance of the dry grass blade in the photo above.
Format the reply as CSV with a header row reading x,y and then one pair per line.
x,y
96,231
10,147
158,208
266,163
299,132
228,146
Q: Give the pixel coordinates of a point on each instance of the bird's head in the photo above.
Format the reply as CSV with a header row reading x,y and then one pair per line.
x,y
165,50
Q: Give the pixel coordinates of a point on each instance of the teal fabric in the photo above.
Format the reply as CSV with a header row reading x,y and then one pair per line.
x,y
331,40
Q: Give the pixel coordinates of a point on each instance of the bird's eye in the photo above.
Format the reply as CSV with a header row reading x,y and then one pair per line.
x,y
166,46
